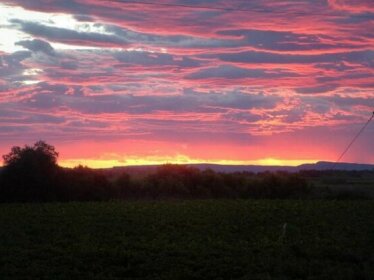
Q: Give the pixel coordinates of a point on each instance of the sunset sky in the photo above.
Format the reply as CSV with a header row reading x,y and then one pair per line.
x,y
113,83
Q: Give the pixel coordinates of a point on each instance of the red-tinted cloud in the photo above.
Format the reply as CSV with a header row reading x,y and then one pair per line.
x,y
286,79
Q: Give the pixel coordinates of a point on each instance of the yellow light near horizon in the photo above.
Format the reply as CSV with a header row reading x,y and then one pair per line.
x,y
108,163
179,159
284,162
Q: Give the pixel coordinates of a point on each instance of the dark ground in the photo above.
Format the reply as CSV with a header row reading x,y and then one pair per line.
x,y
199,239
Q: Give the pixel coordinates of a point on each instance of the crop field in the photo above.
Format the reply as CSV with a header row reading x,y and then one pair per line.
x,y
197,239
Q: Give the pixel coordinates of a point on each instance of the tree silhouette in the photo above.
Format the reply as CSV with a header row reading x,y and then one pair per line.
x,y
39,155
30,173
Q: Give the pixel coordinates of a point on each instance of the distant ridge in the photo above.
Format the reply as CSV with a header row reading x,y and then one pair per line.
x,y
325,165
321,165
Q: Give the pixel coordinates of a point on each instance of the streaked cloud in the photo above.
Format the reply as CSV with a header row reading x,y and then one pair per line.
x,y
284,80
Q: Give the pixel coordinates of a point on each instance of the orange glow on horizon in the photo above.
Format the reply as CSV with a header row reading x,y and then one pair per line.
x,y
179,159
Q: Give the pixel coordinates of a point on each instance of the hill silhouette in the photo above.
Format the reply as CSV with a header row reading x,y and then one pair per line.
x,y
31,174
320,166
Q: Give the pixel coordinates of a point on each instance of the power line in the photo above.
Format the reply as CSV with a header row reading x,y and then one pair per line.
x,y
353,140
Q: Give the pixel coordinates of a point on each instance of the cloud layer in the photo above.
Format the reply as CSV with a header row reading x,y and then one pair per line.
x,y
290,80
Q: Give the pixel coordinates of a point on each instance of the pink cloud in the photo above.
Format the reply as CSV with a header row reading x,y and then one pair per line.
x,y
153,81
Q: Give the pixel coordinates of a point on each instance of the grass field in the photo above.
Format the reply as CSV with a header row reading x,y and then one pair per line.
x,y
213,239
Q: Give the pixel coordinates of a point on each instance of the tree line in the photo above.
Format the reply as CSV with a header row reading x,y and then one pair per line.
x,y
31,174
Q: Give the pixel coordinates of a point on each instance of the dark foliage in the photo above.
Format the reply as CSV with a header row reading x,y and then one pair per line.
x,y
84,184
32,174
182,181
